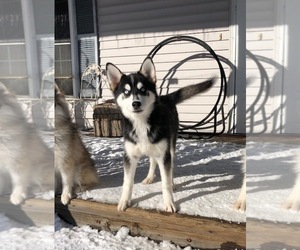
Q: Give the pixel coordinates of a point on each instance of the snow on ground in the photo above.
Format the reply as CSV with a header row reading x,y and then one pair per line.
x,y
207,177
270,179
16,236
86,236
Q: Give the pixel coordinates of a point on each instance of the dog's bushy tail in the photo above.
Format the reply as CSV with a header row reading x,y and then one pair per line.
x,y
187,92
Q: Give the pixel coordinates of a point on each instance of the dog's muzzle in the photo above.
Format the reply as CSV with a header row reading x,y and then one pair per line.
x,y
136,105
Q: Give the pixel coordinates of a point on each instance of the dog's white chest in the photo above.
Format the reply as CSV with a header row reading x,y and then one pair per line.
x,y
146,148
143,145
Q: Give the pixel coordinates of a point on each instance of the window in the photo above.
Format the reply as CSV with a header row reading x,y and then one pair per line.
x,y
63,60
87,41
13,69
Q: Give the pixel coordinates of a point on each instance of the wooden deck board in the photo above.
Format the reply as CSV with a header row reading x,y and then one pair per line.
x,y
34,212
272,235
200,232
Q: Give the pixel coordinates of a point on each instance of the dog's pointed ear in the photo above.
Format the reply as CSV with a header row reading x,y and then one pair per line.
x,y
148,70
114,76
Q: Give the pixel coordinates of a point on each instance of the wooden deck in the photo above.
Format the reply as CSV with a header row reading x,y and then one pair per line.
x,y
198,232
184,230
34,212
272,235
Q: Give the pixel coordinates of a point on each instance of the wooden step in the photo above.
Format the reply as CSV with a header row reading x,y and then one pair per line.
x,y
181,229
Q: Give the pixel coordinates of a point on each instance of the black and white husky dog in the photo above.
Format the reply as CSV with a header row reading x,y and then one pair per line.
x,y
150,126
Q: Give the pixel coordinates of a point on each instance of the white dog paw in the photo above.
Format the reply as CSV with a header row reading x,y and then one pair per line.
x,y
292,205
17,198
123,204
170,207
240,205
148,180
65,198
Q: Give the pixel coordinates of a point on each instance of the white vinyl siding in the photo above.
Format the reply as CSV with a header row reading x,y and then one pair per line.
x,y
130,29
260,45
291,75
272,92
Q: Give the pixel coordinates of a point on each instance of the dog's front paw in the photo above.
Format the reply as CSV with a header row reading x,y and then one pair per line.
x,y
291,204
17,198
170,207
123,204
65,198
240,205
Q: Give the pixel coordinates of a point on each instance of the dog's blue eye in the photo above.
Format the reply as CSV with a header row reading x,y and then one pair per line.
x,y
143,90
126,92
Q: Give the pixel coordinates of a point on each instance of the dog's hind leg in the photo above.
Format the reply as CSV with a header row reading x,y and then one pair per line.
x,y
151,173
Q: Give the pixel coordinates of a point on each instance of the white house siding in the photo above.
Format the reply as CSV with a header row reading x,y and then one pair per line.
x,y
130,29
291,88
271,89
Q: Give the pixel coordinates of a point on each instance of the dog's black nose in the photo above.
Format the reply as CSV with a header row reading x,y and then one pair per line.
x,y
136,105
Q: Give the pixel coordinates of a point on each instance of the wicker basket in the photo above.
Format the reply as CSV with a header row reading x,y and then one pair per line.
x,y
107,120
